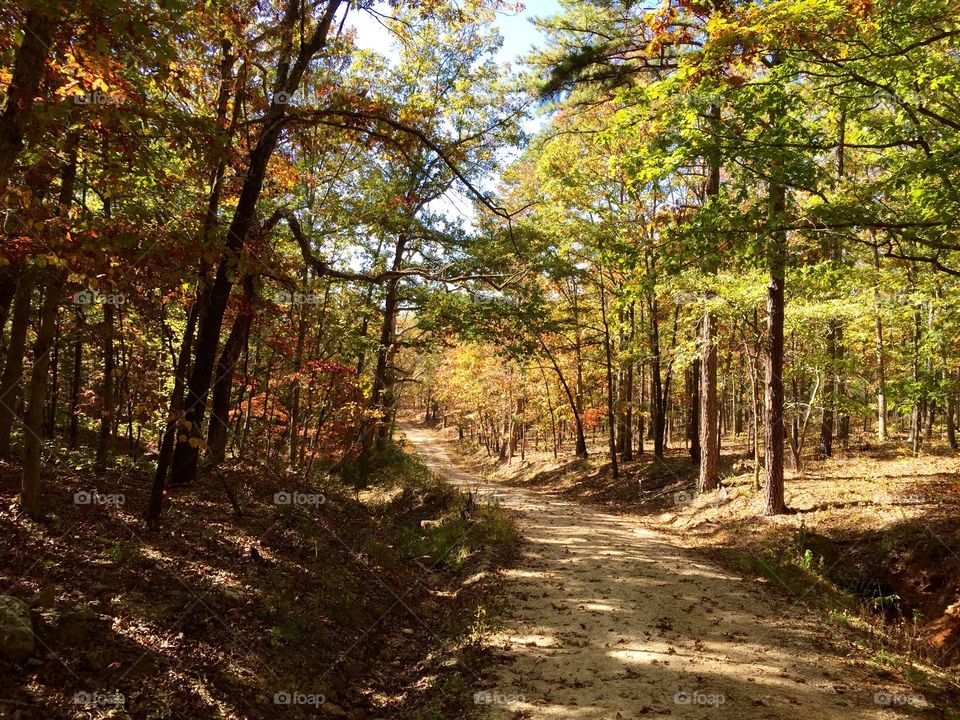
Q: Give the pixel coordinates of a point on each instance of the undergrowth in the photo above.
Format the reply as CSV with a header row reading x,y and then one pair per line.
x,y
888,634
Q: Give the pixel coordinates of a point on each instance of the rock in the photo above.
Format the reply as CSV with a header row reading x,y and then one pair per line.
x,y
16,629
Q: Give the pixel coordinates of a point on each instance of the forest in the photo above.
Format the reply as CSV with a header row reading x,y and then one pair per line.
x,y
470,358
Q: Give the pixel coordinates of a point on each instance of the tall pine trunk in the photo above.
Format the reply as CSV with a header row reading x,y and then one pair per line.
x,y
709,454
774,426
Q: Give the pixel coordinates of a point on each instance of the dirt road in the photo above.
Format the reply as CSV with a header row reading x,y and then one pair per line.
x,y
609,620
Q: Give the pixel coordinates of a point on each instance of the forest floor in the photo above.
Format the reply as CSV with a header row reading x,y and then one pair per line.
x,y
635,598
363,604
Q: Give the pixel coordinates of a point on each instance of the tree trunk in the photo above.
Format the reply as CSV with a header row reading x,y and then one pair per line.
x,y
641,413
30,498
950,415
693,413
836,253
916,418
165,453
28,68
572,399
881,360
611,418
208,337
829,394
755,417
833,387
226,365
658,388
626,447
75,386
295,388
774,427
9,277
107,394
382,392
248,412
709,432
13,368
709,435
50,418
581,444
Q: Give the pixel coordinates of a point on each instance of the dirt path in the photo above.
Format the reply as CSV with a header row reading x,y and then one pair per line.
x,y
610,620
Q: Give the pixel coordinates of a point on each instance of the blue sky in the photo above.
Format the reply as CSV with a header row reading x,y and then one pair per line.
x,y
519,33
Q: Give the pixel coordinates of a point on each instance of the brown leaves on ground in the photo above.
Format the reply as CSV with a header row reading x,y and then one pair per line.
x,y
220,616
